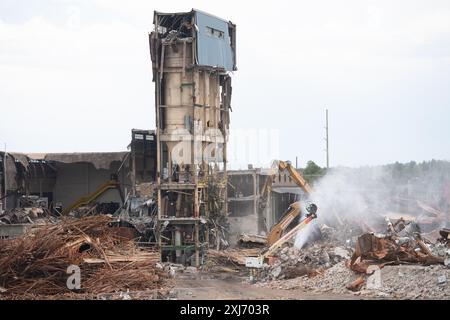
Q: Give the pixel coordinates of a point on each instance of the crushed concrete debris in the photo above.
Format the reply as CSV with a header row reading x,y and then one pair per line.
x,y
333,279
399,263
421,282
292,262
442,280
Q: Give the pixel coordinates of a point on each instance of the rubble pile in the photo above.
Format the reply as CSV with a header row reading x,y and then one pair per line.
x,y
34,215
228,260
333,279
421,282
401,243
401,282
399,263
382,250
292,262
175,269
38,262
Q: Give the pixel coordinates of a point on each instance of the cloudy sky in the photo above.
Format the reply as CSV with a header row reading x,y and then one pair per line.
x,y
76,76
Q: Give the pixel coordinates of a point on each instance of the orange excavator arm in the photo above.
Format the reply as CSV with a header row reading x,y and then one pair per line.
x,y
294,210
295,175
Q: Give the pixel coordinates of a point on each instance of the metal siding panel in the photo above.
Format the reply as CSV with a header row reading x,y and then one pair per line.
x,y
213,51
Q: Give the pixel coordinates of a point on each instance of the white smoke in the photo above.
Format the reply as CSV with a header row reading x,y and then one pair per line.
x,y
361,197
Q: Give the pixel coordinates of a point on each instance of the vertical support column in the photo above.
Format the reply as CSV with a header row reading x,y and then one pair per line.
x,y
133,164
197,244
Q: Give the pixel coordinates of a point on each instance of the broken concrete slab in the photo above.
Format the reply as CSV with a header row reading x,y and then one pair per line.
x,y
442,280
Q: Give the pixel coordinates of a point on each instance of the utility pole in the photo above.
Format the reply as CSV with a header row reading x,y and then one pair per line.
x,y
3,207
326,139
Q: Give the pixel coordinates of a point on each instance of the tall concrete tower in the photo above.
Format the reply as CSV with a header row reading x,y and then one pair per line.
x,y
193,54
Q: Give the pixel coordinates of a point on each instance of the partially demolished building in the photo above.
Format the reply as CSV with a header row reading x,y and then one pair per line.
x,y
60,179
192,56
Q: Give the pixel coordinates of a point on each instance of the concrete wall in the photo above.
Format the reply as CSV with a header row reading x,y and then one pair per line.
x,y
240,225
243,193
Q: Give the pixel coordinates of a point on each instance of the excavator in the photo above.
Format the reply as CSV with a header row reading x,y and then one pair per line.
x,y
258,262
294,209
276,237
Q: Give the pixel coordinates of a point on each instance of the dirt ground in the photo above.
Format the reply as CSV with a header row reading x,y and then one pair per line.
x,y
226,286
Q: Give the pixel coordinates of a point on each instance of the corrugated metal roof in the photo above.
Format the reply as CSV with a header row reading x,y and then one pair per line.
x,y
100,160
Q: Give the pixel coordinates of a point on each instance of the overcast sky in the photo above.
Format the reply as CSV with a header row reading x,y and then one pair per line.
x,y
76,76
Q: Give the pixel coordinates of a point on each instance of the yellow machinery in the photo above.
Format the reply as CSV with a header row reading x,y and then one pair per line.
x,y
258,262
113,183
294,209
275,238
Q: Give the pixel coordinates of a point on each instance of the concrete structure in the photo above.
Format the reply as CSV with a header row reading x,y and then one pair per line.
x,y
192,53
143,156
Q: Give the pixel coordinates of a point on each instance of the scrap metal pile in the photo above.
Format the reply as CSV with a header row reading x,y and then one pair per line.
x,y
37,263
396,247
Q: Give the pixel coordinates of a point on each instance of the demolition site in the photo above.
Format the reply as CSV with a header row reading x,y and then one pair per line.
x,y
166,219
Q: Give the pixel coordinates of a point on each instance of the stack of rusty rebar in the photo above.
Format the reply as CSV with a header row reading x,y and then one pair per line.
x,y
38,263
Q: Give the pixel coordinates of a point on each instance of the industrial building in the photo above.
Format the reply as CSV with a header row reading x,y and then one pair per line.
x,y
60,179
192,56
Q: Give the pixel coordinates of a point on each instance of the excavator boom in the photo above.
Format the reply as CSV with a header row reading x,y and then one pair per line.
x,y
276,237
294,209
297,177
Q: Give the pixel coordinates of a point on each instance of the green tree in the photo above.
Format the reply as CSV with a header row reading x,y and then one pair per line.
x,y
313,171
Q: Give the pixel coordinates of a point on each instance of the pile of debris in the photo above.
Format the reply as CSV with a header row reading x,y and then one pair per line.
x,y
175,269
94,208
251,240
33,215
365,264
229,260
333,279
38,262
292,262
381,250
401,243
400,282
